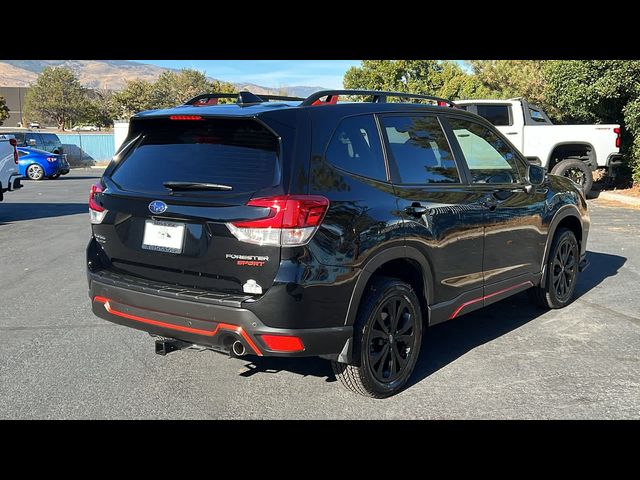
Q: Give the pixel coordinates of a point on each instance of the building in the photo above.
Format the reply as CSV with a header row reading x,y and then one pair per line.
x,y
14,98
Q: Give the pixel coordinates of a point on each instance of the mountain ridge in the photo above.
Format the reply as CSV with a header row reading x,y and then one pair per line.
x,y
114,74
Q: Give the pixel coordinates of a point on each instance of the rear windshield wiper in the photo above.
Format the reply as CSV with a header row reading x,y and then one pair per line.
x,y
196,186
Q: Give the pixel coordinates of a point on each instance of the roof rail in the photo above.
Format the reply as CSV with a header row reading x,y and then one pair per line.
x,y
242,98
379,96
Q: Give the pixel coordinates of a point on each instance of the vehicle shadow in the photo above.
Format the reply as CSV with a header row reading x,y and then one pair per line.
x,y
444,343
16,212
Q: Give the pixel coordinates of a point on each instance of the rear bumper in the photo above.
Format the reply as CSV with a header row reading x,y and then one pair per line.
x,y
205,324
13,183
615,159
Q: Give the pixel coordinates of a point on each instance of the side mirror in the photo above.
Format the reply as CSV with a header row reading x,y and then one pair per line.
x,y
536,175
32,142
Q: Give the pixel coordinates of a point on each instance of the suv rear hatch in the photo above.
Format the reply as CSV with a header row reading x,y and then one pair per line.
x,y
175,191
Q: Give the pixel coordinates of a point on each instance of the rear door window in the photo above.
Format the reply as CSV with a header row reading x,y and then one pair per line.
x,y
420,150
36,137
355,147
239,153
51,141
496,114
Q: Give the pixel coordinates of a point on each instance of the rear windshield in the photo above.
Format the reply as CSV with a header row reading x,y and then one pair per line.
x,y
240,153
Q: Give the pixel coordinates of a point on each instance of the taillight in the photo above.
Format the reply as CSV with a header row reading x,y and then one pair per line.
x,y
617,132
14,143
290,220
96,212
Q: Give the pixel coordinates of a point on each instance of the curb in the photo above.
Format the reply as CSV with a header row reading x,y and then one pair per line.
x,y
616,197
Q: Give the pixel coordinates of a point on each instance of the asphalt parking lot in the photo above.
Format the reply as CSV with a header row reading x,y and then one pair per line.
x,y
510,360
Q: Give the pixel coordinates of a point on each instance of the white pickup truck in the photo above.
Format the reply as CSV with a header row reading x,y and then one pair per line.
x,y
9,176
573,151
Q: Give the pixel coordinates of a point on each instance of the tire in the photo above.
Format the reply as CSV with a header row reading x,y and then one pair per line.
x,y
549,295
35,172
576,170
375,373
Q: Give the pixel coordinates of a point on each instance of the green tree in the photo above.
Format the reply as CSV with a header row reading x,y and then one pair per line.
x,y
4,110
137,96
171,89
516,78
102,109
427,77
175,88
56,95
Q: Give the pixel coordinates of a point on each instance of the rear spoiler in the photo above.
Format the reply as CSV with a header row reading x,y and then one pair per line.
x,y
242,98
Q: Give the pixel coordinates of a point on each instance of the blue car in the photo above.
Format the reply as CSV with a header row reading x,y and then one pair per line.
x,y
36,164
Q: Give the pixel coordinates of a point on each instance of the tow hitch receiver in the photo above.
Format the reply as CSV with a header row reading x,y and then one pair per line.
x,y
168,345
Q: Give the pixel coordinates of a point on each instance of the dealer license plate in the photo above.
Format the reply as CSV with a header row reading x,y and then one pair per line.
x,y
163,236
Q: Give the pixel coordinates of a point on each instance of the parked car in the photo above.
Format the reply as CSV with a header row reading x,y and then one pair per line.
x,y
85,128
34,125
320,228
9,176
30,138
573,151
37,164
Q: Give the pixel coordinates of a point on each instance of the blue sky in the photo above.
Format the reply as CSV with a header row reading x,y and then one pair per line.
x,y
269,73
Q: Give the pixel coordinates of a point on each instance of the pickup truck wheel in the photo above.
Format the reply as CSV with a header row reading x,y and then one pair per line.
x,y
387,337
576,170
35,172
562,272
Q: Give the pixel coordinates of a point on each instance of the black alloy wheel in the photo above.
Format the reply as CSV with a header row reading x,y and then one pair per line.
x,y
387,338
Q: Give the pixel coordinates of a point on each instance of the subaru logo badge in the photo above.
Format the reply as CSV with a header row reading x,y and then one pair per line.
x,y
157,206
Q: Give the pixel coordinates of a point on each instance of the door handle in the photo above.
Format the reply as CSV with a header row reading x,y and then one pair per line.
x,y
512,133
416,210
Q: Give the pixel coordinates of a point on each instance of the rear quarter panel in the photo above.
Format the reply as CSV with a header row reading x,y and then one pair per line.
x,y
540,140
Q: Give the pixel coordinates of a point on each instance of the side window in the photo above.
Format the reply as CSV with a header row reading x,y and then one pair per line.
x,y
355,147
537,116
489,158
36,138
496,114
420,150
50,142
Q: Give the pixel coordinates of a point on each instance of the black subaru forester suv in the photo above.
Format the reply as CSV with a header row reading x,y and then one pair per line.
x,y
322,228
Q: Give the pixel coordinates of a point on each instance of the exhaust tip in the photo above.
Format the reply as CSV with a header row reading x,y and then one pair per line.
x,y
238,348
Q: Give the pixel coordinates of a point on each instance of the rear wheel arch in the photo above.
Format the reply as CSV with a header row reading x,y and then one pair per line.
x,y
404,263
563,151
567,217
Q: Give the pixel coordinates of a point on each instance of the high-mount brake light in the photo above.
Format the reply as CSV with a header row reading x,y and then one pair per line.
x,y
185,117
290,220
96,212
